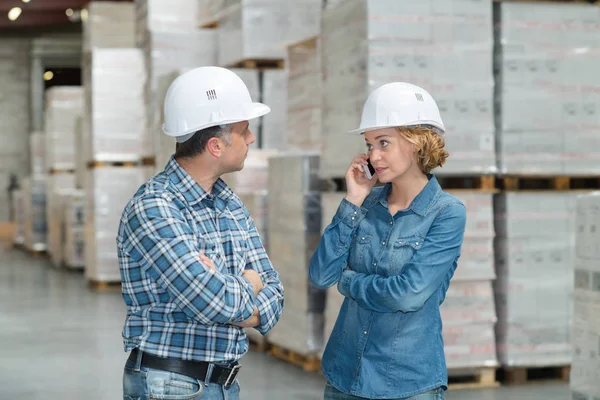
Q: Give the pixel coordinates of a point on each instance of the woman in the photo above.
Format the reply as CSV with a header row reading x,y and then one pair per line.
x,y
392,251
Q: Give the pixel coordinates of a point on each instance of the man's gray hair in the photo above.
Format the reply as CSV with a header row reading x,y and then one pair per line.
x,y
195,143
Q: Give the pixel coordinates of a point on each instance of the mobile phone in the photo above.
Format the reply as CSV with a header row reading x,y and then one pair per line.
x,y
369,170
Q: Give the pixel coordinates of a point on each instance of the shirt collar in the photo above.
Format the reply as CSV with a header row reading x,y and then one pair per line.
x,y
420,204
191,190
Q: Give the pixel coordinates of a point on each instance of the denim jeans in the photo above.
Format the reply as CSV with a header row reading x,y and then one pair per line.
x,y
140,383
332,393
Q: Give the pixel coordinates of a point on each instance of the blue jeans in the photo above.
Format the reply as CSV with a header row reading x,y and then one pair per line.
x,y
332,393
140,383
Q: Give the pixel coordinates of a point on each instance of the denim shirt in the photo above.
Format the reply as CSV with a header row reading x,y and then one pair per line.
x,y
394,272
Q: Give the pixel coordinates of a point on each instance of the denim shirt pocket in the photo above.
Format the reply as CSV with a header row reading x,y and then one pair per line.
x,y
403,250
359,248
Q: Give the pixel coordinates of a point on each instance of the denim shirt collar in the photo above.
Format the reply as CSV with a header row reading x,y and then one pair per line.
x,y
190,189
424,200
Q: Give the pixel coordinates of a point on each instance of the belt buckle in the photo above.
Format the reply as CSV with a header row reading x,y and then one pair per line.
x,y
232,375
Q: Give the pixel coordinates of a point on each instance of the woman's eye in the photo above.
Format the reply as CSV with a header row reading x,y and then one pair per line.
x,y
369,147
384,143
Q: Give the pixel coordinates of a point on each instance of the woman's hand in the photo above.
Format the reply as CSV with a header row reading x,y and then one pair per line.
x,y
357,184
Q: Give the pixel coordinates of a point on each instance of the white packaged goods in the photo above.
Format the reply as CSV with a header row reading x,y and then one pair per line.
x,y
57,186
534,316
585,369
274,124
15,122
108,191
19,214
64,104
81,140
37,153
74,220
34,205
261,29
251,77
166,16
548,55
444,47
110,24
254,177
304,96
294,215
209,11
115,126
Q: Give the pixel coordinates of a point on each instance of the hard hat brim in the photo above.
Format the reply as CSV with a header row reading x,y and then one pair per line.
x,y
360,131
256,110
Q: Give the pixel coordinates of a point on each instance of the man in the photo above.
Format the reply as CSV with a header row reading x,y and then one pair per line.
x,y
194,271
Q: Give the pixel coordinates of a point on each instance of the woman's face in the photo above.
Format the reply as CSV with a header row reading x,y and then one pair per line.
x,y
390,153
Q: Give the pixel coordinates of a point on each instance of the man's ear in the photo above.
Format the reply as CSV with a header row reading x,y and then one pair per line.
x,y
215,147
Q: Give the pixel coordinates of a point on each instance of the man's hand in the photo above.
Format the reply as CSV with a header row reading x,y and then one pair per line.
x,y
251,322
207,261
255,279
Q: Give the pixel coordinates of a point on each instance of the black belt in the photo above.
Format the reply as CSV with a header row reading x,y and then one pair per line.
x,y
195,369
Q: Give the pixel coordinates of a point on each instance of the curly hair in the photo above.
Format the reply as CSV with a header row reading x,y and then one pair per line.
x,y
429,144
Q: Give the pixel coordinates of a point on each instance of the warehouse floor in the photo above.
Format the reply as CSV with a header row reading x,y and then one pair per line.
x,y
58,340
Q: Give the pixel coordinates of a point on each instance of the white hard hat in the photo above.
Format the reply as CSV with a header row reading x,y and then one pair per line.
x,y
205,97
400,104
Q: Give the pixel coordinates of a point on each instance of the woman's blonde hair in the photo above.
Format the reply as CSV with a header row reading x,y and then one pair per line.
x,y
429,144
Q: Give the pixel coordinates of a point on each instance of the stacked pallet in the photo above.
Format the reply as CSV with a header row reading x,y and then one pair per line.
x,y
64,105
74,222
115,142
34,210
294,231
256,32
445,47
585,372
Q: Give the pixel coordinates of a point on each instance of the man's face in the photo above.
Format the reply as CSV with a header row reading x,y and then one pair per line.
x,y
236,152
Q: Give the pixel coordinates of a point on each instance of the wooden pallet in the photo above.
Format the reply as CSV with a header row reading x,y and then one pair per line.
x,y
53,171
309,363
259,63
103,286
148,161
210,24
483,183
524,375
103,164
37,253
479,378
541,183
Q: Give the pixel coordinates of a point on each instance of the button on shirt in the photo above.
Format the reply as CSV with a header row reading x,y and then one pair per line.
x,y
394,273
176,306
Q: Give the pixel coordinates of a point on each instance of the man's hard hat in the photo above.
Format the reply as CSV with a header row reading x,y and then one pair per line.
x,y
205,97
400,104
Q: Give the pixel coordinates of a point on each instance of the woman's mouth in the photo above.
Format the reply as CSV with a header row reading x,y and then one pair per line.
x,y
379,170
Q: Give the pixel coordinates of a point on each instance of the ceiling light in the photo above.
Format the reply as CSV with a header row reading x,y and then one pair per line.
x,y
69,12
14,13
25,1
48,75
84,14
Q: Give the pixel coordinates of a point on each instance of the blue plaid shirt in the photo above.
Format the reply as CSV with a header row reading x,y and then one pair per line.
x,y
176,306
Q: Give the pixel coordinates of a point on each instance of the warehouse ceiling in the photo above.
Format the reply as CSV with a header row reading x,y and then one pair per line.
x,y
24,15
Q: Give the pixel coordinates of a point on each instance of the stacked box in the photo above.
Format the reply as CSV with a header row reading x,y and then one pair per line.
x,y
115,127
535,237
34,209
547,62
294,227
64,104
444,47
209,11
37,153
274,124
15,121
74,222
468,312
108,190
81,140
254,177
160,15
304,96
585,369
57,186
110,24
19,214
261,29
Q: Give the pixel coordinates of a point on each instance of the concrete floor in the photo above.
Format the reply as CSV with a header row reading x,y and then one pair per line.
x,y
58,340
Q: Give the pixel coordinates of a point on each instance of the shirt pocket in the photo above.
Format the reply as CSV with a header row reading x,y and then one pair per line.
x,y
240,252
361,246
403,250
